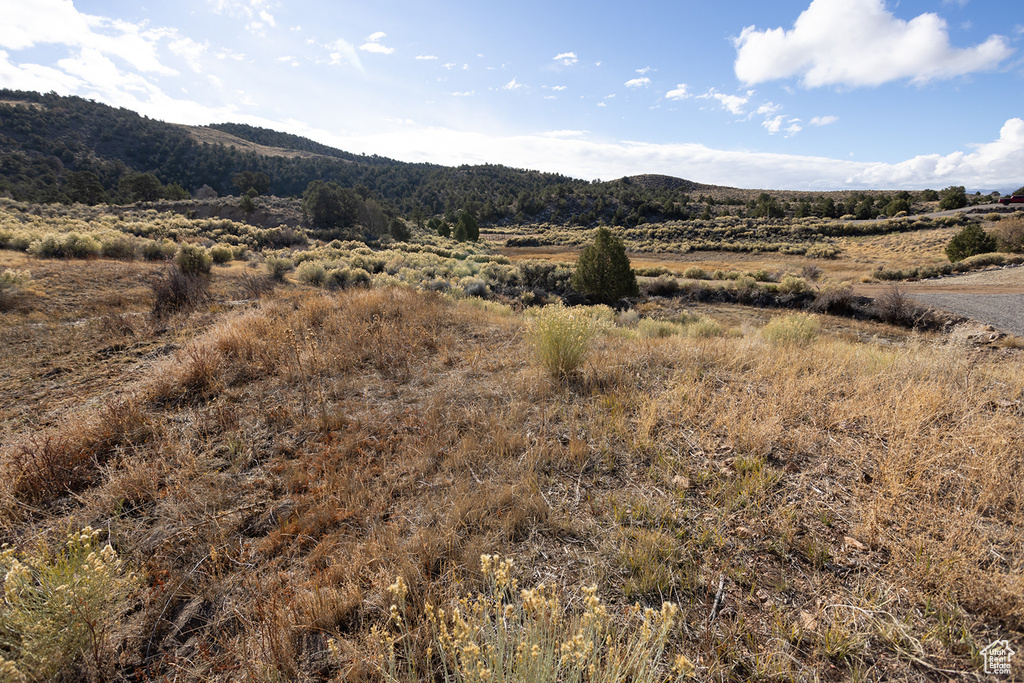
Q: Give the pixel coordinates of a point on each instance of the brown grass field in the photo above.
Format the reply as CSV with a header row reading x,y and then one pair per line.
x,y
846,506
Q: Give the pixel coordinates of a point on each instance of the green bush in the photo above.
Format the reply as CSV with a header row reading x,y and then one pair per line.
x,y
696,273
221,253
60,608
278,267
159,251
790,284
193,259
650,328
312,273
562,338
971,240
118,247
71,245
603,273
796,330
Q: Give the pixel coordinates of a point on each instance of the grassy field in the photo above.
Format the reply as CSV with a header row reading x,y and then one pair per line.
x,y
274,469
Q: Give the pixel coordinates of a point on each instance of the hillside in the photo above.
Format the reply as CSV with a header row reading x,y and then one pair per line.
x,y
67,149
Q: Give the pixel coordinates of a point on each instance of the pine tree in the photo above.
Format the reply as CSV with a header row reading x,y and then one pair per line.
x,y
603,273
970,241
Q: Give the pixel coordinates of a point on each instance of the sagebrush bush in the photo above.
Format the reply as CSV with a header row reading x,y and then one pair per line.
x,y
193,259
159,251
278,267
696,273
796,330
221,253
312,273
119,247
59,608
510,634
177,291
790,284
562,338
1010,235
655,329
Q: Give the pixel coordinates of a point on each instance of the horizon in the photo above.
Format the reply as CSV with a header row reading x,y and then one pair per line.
x,y
802,95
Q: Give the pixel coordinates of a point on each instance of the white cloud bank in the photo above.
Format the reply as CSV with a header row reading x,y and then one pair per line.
x,y
860,43
994,165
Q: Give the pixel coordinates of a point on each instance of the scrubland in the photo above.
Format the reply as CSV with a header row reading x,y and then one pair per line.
x,y
298,482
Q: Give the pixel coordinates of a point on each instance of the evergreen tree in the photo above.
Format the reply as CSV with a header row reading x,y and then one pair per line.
x,y
603,273
970,241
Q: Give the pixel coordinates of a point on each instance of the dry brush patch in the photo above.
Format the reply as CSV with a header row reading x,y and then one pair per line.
x,y
834,505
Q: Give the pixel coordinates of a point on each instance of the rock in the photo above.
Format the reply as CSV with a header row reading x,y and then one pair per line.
x,y
680,482
807,621
853,544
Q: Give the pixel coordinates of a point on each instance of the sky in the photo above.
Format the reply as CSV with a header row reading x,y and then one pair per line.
x,y
788,94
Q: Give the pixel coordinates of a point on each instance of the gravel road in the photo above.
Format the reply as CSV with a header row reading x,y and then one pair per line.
x,y
993,297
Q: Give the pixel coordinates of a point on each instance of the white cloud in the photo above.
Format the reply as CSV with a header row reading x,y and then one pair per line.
x,y
376,48
512,85
450,65
735,104
426,57
256,12
638,82
373,45
824,120
566,58
285,58
467,93
645,70
767,109
191,51
860,43
678,93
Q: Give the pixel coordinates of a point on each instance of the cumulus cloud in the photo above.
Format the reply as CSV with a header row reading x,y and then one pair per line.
x,y
734,104
991,165
566,58
512,85
678,93
824,120
373,44
638,82
860,43
558,88
645,70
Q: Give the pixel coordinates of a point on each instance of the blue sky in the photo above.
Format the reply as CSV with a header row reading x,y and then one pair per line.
x,y
801,94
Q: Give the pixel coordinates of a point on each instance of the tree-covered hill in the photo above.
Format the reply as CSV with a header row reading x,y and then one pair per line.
x,y
68,149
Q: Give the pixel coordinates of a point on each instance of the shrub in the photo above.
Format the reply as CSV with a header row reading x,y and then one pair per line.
x,y
278,267
790,284
834,298
178,291
1010,235
661,286
193,259
792,330
704,328
561,339
696,273
59,609
893,307
602,272
953,197
823,251
971,240
118,247
507,634
312,273
221,253
71,245
159,251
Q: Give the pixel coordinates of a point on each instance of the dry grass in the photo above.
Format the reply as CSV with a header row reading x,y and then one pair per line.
x,y
855,506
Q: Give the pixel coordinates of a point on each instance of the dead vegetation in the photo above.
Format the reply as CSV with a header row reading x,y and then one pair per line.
x,y
828,509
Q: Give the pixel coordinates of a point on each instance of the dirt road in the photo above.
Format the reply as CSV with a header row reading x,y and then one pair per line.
x,y
994,297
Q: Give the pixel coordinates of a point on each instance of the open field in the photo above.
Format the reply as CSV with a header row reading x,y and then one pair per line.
x,y
823,498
